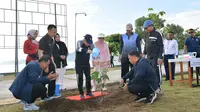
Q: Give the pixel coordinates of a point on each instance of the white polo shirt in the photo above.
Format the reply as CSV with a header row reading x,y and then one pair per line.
x,y
170,47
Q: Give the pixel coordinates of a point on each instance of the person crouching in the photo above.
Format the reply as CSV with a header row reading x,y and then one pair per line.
x,y
143,81
29,83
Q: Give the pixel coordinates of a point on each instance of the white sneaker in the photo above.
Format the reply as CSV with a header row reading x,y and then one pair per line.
x,y
93,89
22,102
55,96
104,89
46,99
31,107
151,98
159,90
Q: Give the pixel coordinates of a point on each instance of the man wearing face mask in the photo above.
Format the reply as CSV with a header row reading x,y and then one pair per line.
x,y
82,64
31,46
128,42
104,60
154,49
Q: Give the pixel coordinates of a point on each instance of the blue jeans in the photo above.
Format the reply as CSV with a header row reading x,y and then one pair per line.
x,y
166,58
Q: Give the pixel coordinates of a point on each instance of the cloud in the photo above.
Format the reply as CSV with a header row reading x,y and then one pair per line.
x,y
187,19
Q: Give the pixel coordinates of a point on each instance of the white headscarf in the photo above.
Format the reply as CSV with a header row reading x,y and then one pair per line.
x,y
32,32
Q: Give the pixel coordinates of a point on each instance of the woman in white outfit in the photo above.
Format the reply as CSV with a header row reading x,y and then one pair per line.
x,y
104,60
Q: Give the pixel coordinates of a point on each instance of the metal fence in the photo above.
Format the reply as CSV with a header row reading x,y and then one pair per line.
x,y
17,17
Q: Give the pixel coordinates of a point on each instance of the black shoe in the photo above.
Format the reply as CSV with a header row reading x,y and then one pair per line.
x,y
140,99
151,98
82,96
90,94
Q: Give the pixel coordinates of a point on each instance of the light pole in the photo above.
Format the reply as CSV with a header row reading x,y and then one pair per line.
x,y
75,25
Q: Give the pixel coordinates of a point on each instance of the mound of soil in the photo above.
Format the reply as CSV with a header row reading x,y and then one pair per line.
x,y
118,101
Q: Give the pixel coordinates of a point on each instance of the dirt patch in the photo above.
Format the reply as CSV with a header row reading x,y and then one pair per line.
x,y
118,101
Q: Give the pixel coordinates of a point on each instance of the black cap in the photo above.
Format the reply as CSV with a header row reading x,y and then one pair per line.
x,y
88,38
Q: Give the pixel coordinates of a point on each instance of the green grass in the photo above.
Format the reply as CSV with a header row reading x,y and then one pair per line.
x,y
68,72
177,98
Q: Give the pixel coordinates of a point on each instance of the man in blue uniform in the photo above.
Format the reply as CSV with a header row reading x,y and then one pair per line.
x,y
144,79
192,44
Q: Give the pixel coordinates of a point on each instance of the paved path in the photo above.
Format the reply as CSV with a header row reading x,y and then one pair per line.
x,y
70,83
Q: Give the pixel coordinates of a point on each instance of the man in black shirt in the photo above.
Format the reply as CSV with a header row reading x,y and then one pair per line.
x,y
154,48
45,48
82,64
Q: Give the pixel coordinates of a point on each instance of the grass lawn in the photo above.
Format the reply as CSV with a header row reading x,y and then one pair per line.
x,y
68,72
178,98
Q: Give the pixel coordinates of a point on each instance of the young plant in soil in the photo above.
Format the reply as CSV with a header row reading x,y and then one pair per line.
x,y
100,76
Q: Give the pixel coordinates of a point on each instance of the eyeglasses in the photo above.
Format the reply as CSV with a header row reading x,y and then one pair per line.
x,y
100,38
191,32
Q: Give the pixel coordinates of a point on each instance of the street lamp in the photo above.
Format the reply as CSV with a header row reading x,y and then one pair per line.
x,y
75,25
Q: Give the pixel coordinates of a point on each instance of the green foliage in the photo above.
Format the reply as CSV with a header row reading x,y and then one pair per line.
x,y
178,33
99,77
155,17
198,33
95,75
113,43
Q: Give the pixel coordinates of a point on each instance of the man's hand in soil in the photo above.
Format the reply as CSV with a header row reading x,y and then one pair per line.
x,y
122,83
52,76
126,86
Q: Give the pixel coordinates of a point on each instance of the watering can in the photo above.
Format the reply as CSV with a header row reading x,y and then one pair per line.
x,y
95,53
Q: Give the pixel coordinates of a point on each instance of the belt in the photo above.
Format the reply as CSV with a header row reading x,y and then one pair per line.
x,y
169,54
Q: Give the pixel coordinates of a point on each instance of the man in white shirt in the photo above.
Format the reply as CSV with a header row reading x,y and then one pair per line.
x,y
170,51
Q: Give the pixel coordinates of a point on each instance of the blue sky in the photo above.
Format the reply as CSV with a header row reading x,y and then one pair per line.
x,y
111,16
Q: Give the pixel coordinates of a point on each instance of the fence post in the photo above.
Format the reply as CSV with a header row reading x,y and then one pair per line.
x,y
55,15
16,39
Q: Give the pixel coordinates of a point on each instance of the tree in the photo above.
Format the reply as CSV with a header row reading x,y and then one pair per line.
x,y
155,17
113,43
178,33
197,32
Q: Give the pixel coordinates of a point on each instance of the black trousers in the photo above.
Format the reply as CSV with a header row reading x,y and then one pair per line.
x,y
112,64
38,90
166,58
125,65
142,90
79,71
154,61
51,84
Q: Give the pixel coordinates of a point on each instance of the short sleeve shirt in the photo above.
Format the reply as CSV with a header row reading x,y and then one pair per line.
x,y
46,44
193,44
